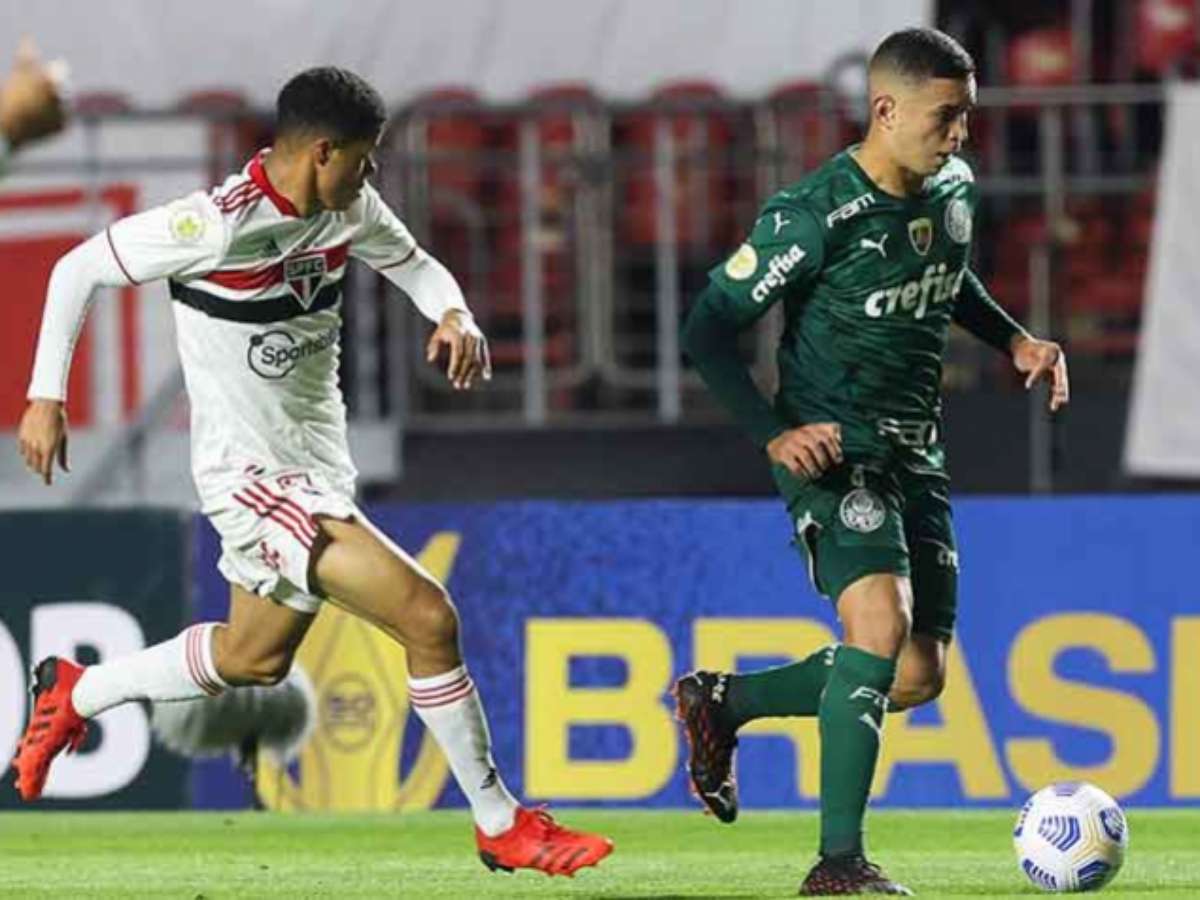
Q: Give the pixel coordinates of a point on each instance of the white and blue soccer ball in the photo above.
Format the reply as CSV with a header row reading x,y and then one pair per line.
x,y
1071,836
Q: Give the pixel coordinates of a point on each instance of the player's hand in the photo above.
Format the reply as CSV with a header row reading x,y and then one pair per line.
x,y
31,104
469,356
808,450
42,437
1043,360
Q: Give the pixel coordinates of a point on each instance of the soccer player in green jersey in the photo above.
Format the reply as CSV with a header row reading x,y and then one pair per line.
x,y
870,257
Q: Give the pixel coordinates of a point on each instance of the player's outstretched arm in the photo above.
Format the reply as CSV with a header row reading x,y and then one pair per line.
x,y
1042,360
977,312
181,238
386,245
42,435
439,298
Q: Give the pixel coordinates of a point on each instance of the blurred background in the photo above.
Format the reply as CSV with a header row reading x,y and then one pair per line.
x,y
580,167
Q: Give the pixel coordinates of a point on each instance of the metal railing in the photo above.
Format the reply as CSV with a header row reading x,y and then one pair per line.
x,y
580,230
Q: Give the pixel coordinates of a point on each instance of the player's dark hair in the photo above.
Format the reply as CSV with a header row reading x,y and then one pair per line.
x,y
329,101
921,53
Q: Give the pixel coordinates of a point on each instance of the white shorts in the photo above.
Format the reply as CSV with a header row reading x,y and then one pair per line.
x,y
268,533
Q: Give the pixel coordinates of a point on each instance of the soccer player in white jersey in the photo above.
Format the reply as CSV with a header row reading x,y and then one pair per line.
x,y
255,269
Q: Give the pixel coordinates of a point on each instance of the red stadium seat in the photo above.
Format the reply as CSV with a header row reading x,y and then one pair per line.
x,y
101,103
235,131
806,123
703,184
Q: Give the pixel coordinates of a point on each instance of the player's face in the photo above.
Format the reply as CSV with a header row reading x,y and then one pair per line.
x,y
931,122
342,170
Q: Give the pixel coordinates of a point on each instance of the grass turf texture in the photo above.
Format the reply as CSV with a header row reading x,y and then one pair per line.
x,y
428,855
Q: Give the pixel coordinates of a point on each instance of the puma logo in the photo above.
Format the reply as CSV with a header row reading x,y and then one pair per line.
x,y
868,244
489,782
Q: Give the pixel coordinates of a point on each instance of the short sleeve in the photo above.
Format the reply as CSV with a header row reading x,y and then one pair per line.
x,y
381,239
182,239
781,257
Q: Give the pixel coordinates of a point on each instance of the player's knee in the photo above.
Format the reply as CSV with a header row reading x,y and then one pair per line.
x,y
244,670
434,620
906,695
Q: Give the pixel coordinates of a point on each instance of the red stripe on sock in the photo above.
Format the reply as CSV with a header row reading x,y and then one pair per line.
x,y
446,700
434,692
194,657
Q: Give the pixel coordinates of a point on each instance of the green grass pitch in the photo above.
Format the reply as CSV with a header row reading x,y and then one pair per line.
x,y
431,855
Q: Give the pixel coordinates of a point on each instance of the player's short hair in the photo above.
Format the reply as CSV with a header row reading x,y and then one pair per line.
x,y
917,54
329,101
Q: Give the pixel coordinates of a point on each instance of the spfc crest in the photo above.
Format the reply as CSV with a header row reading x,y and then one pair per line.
x,y
920,233
303,275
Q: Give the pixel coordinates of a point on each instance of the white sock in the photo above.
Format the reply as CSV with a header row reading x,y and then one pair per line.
x,y
179,669
449,706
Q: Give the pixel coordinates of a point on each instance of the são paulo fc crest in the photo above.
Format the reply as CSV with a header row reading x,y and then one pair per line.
x,y
863,511
920,233
958,221
303,276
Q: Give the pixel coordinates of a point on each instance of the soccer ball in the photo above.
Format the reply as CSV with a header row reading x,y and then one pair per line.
x,y
1071,836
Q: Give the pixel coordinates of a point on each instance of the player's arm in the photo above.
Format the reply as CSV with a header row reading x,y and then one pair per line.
x,y
386,245
783,254
977,312
181,238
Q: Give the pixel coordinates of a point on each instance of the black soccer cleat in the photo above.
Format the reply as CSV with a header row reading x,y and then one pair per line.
x,y
852,874
699,701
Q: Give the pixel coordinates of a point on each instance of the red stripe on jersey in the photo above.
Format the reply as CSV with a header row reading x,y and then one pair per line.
x,y
243,199
286,503
279,511
257,279
275,515
411,253
231,195
284,506
259,174
120,265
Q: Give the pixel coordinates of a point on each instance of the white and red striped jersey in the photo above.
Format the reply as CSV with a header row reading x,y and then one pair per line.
x,y
257,293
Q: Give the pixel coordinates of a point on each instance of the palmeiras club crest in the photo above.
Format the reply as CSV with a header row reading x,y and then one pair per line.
x,y
920,233
303,276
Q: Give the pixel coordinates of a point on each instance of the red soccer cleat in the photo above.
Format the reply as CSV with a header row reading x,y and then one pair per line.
x,y
53,725
536,841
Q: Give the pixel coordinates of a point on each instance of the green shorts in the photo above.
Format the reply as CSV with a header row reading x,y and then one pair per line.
x,y
857,520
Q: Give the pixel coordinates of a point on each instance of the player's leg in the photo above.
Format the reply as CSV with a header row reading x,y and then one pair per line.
x,y
256,647
876,615
375,579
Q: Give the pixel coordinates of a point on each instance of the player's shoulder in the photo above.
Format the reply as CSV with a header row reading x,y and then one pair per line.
x,y
956,171
827,193
368,208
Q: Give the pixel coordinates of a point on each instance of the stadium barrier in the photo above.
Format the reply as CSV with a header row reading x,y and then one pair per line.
x,y
1075,657
94,585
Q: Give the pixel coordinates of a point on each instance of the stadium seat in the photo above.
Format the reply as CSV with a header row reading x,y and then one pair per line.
x,y
234,133
804,123
702,134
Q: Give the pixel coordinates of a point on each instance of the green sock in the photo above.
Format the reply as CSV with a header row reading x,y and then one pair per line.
x,y
851,717
791,690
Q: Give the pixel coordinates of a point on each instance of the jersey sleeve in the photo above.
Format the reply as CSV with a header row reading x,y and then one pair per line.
x,y
381,240
781,257
181,239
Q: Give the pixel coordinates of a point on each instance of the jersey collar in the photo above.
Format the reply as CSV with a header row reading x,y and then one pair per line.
x,y
258,174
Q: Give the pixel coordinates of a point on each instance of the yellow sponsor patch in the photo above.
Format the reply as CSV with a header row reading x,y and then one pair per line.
x,y
742,264
187,225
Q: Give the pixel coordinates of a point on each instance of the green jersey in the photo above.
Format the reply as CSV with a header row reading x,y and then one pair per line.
x,y
868,282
